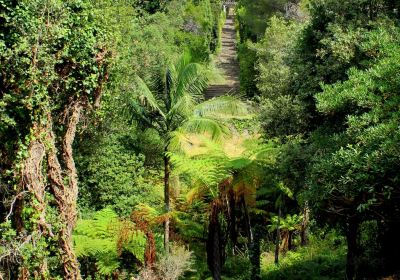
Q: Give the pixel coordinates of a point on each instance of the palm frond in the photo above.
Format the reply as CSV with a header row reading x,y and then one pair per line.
x,y
190,84
204,125
182,107
177,140
183,61
191,80
171,77
223,107
147,98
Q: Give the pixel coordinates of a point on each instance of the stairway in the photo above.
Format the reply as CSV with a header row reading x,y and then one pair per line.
x,y
226,63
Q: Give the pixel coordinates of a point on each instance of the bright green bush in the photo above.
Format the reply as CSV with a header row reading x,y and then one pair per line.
x,y
112,174
105,237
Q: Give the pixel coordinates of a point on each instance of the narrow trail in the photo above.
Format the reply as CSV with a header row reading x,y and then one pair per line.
x,y
226,63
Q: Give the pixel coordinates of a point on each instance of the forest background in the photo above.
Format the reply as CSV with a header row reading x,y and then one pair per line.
x,y
85,158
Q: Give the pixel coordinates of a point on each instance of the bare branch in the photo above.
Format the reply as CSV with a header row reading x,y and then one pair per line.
x,y
13,202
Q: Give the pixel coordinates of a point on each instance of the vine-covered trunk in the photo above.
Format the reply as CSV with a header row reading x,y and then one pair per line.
x,y
215,244
33,181
66,193
167,174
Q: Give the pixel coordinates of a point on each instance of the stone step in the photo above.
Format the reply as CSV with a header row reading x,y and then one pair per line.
x,y
227,63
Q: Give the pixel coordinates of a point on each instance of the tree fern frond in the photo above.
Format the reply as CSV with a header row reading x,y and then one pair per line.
x,y
103,238
203,171
107,264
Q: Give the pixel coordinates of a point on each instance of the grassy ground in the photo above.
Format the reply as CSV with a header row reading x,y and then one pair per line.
x,y
322,259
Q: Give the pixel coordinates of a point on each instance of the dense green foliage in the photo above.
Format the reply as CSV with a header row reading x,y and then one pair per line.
x,y
328,86
114,166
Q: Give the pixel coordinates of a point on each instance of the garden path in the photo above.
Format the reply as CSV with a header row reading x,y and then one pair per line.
x,y
226,63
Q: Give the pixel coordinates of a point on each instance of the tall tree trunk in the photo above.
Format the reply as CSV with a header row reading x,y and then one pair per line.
x,y
167,174
278,233
351,235
389,243
304,225
17,215
215,245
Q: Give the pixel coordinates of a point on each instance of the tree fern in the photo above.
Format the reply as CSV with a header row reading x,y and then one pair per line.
x,y
104,238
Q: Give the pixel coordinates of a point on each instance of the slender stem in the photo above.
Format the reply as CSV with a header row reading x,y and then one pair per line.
x,y
167,173
278,233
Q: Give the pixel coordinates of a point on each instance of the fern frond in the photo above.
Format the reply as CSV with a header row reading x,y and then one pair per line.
x,y
103,238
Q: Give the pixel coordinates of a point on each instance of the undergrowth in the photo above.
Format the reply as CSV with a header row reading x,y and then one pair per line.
x,y
322,259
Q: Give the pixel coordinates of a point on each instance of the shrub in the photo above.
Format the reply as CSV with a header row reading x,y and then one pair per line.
x,y
169,267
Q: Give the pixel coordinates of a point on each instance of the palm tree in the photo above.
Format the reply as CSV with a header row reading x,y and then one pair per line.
x,y
174,106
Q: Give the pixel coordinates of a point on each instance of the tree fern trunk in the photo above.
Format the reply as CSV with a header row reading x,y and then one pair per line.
x,y
232,218
290,240
215,242
150,252
247,220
